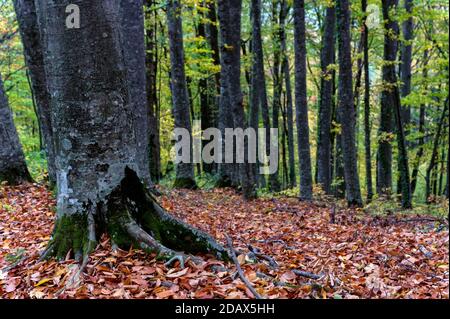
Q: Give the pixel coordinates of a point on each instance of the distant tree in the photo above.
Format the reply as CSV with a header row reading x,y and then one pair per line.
x,y
32,46
326,101
180,99
301,105
13,168
346,106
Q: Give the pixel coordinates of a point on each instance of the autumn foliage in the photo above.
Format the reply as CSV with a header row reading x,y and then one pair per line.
x,y
357,256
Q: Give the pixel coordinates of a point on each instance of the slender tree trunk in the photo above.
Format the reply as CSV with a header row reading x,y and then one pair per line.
x,y
391,96
259,90
346,105
405,66
289,110
133,36
98,187
448,171
385,133
367,139
212,34
225,120
434,153
13,168
278,20
180,98
32,46
230,27
325,103
301,101
415,171
152,88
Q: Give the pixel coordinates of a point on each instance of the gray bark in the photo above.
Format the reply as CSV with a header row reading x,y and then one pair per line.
x,y
152,92
92,116
180,97
13,168
134,53
384,154
406,55
289,110
367,141
304,153
326,101
32,46
346,105
259,93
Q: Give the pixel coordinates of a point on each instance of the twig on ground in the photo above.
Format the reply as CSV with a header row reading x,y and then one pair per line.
x,y
239,269
258,254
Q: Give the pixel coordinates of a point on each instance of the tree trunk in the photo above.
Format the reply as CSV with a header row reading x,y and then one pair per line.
x,y
133,36
405,66
98,186
231,95
289,111
152,87
434,153
416,164
325,103
346,105
212,34
391,96
385,133
278,20
180,99
207,105
13,168
259,91
367,139
32,47
225,120
301,101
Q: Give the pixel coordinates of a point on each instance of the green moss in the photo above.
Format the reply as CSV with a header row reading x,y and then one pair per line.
x,y
70,234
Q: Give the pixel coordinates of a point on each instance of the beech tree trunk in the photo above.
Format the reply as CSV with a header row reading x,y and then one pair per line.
x,y
231,94
289,108
405,66
346,106
98,186
385,132
13,168
133,36
301,101
326,101
152,96
180,98
32,47
367,139
259,89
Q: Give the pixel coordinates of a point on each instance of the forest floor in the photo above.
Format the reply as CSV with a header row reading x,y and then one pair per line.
x,y
357,256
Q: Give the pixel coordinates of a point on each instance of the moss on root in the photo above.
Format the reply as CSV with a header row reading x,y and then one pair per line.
x,y
133,218
71,234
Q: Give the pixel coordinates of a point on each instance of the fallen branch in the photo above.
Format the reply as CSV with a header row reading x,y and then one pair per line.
x,y
239,269
307,274
258,254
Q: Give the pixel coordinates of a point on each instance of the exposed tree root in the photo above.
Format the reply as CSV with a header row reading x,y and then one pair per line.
x,y
132,217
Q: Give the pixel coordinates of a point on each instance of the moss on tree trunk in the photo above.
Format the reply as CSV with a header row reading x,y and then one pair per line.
x,y
132,218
